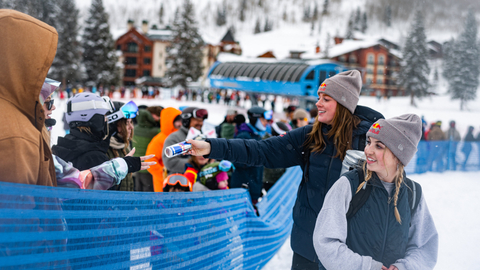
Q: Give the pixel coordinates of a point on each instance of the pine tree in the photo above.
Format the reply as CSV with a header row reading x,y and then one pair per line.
x,y
45,10
357,20
448,60
66,64
285,15
414,71
243,7
306,14
350,28
464,81
388,16
364,24
326,6
185,55
326,52
315,13
99,55
257,27
160,14
268,25
222,15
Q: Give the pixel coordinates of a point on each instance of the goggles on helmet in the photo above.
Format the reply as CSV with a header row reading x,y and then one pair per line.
x,y
226,166
127,111
268,115
197,113
177,178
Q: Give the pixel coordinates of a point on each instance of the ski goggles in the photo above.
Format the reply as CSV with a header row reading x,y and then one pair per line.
x,y
268,115
177,178
49,104
48,87
226,166
197,113
127,111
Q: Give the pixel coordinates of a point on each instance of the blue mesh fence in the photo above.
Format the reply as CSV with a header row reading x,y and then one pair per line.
x,y
58,228
53,228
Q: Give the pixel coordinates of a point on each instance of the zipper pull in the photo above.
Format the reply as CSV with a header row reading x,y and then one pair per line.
x,y
389,199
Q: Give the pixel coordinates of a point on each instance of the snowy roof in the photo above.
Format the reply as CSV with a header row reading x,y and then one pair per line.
x,y
228,37
351,45
160,34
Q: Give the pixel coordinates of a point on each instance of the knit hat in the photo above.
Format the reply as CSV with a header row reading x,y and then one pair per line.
x,y
300,114
400,134
222,176
344,87
231,111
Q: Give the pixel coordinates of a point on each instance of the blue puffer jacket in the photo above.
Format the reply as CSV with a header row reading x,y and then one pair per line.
x,y
373,231
288,150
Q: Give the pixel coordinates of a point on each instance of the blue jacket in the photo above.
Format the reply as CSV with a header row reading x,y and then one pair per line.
x,y
373,231
288,150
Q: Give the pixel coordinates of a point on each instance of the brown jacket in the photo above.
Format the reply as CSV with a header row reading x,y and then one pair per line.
x,y
27,49
436,134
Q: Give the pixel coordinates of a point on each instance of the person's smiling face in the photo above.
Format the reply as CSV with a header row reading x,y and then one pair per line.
x,y
45,108
380,160
326,106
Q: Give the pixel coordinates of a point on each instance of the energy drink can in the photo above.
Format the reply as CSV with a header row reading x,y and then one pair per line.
x,y
177,149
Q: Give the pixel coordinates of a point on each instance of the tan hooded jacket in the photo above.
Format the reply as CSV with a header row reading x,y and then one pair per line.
x,y
27,49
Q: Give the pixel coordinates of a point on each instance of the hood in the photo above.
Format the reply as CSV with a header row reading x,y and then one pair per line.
x,y
145,119
27,50
166,120
70,147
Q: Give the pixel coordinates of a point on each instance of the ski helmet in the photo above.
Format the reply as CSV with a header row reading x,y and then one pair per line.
x,y
254,113
88,110
190,112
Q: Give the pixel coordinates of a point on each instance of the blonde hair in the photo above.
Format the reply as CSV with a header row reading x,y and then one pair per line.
x,y
343,123
398,179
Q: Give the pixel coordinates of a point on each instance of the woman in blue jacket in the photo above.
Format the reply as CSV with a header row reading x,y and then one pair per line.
x,y
390,231
319,149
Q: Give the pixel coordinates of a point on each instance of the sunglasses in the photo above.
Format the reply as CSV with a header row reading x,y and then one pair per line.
x,y
225,166
127,111
49,104
177,178
197,113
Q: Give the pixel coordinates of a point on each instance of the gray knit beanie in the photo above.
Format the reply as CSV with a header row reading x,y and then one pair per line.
x,y
344,87
400,134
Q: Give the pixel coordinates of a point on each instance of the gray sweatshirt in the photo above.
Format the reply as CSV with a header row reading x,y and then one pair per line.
x,y
330,235
175,164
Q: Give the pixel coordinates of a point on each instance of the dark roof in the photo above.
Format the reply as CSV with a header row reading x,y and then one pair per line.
x,y
389,44
287,72
228,37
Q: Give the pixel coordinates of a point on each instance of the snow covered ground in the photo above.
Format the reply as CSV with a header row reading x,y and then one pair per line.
x,y
452,197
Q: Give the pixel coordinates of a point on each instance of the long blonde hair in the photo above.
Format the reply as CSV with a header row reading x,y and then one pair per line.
x,y
398,179
343,124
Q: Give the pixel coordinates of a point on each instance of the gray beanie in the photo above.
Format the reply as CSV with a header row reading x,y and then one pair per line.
x,y
400,134
344,87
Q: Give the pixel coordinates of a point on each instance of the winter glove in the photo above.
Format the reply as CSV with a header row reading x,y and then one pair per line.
x,y
134,164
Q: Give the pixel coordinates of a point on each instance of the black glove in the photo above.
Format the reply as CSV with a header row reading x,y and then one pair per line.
x,y
134,164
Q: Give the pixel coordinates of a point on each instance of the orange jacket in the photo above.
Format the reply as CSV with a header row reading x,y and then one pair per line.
x,y
156,145
27,49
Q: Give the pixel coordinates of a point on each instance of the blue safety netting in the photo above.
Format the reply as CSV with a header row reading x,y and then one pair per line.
x,y
439,156
51,228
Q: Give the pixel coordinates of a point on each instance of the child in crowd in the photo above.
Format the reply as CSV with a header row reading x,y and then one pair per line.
x,y
176,183
193,167
214,176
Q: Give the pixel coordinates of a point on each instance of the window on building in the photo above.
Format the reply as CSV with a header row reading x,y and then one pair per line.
x,y
381,60
130,72
148,48
310,75
132,47
119,47
146,73
160,54
131,60
380,71
147,61
370,59
369,80
342,58
369,70
352,59
323,76
379,81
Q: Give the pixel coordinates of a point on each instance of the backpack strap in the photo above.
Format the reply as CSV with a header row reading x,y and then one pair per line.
x,y
414,197
359,198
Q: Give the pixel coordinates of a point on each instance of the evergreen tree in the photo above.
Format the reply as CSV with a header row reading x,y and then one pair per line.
x,y
448,59
285,15
388,16
326,52
260,3
257,27
222,15
357,20
185,55
306,14
66,64
315,13
161,13
99,55
350,28
326,6
364,24
464,81
268,25
243,7
45,10
414,71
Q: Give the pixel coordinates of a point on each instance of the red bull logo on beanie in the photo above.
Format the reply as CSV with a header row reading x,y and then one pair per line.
x,y
375,129
322,87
